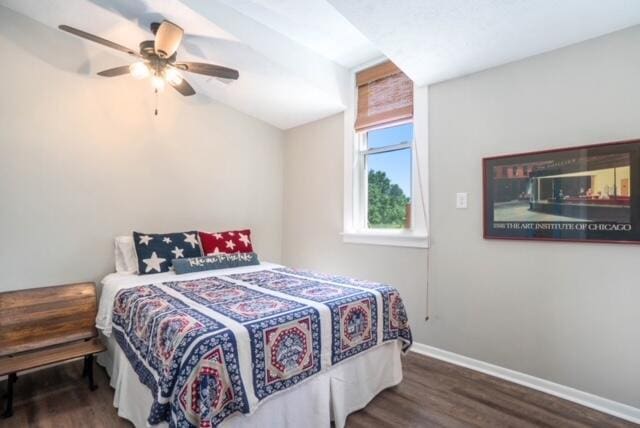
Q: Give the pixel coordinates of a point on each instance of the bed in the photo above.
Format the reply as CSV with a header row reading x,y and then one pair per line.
x,y
250,346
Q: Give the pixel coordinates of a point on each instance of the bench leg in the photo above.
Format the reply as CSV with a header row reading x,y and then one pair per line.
x,y
9,409
85,367
88,364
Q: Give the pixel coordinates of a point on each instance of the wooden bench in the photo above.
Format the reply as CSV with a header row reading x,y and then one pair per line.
x,y
42,326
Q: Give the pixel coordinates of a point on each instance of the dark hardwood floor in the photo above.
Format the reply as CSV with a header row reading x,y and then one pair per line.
x,y
432,394
59,397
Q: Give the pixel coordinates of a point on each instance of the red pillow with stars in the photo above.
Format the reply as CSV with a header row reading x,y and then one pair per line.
x,y
232,241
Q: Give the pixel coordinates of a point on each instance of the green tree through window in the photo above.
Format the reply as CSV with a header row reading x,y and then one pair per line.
x,y
386,202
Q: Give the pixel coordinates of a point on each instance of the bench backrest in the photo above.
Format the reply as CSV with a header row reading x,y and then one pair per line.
x,y
40,317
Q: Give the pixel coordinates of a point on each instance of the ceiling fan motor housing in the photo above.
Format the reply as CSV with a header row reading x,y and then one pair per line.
x,y
155,62
147,48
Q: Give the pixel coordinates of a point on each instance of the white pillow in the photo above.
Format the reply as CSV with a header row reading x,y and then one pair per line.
x,y
125,252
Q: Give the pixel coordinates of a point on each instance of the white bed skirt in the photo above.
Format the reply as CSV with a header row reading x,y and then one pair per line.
x,y
329,396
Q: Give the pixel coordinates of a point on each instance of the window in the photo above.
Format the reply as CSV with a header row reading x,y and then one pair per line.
x,y
386,157
384,201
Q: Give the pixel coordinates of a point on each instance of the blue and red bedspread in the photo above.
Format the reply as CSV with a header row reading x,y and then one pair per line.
x,y
211,347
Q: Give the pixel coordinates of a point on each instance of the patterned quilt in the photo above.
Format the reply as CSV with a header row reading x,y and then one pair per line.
x,y
212,347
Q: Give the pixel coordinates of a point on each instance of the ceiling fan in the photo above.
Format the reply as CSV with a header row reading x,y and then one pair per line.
x,y
158,59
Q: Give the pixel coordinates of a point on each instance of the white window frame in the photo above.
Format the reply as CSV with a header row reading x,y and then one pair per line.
x,y
355,230
361,221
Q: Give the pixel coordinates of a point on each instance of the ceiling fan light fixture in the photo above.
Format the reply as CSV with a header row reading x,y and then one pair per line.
x,y
158,83
168,38
139,70
172,76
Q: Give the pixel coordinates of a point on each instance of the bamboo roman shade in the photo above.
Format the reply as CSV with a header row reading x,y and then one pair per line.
x,y
385,95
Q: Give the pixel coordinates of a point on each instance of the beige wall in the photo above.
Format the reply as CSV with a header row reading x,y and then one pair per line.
x,y
564,312
83,159
313,219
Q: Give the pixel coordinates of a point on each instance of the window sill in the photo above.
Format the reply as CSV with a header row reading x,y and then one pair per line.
x,y
391,239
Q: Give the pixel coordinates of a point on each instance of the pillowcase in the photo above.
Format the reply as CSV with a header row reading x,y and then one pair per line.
x,y
232,241
155,250
218,261
125,252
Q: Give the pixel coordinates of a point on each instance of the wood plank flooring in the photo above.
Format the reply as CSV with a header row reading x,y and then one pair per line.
x,y
432,394
59,397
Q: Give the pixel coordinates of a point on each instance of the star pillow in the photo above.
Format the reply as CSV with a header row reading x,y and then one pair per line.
x,y
156,251
232,241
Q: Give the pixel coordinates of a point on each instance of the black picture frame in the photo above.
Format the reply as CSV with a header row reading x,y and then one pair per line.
x,y
576,194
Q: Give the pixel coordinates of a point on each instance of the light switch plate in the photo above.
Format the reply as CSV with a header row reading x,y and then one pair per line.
x,y
461,200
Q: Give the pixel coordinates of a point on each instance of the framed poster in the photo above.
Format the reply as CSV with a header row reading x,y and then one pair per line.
x,y
582,194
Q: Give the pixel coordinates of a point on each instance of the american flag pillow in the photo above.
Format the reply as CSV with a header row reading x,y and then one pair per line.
x,y
232,241
156,251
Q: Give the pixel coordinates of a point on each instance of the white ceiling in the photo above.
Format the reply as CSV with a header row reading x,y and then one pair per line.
x,y
435,40
282,81
314,24
294,56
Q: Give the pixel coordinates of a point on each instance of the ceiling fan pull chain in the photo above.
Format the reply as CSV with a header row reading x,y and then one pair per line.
x,y
156,110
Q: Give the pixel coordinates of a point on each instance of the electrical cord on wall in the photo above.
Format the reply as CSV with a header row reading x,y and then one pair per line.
x,y
424,212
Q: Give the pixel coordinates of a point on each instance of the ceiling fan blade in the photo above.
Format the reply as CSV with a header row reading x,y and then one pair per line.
x,y
184,88
116,71
209,70
97,39
168,38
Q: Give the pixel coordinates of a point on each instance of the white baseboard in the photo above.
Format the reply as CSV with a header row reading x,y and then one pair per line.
x,y
604,405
